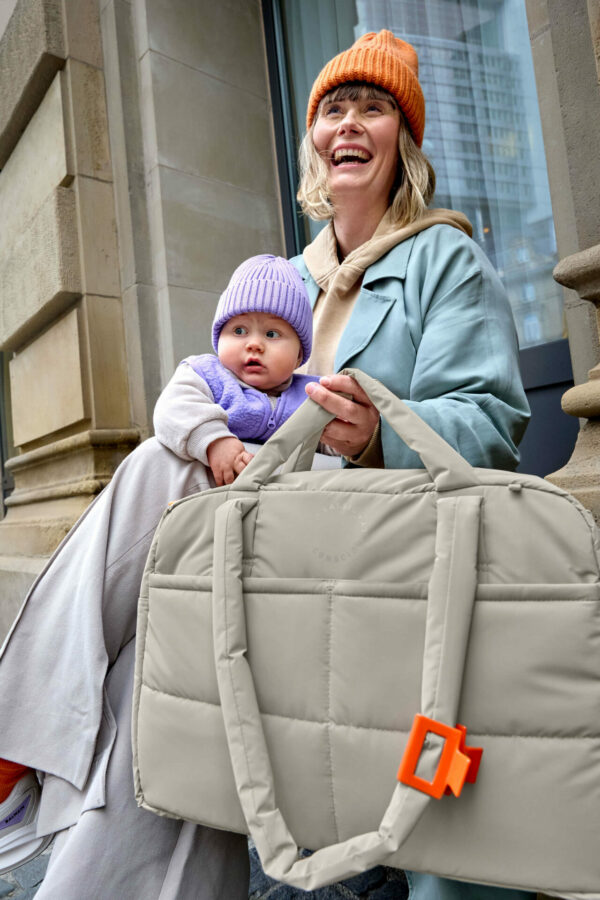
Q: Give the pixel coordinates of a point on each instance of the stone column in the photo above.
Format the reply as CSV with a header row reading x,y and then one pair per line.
x,y
565,45
581,475
61,321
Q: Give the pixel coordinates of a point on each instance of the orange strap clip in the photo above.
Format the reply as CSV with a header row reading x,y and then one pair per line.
x,y
457,763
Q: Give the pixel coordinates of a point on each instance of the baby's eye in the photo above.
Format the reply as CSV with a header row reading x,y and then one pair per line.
x,y
271,333
239,329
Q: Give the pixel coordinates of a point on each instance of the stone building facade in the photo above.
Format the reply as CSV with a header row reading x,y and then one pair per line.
x,y
138,167
137,170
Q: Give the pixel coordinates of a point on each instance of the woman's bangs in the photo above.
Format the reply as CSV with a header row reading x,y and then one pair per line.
x,y
358,90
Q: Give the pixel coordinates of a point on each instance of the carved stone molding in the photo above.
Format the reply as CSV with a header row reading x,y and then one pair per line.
x,y
581,475
54,484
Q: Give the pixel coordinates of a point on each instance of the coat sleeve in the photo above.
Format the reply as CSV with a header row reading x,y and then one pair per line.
x,y
466,381
186,418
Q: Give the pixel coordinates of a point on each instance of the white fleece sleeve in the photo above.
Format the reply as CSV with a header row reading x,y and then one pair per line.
x,y
186,418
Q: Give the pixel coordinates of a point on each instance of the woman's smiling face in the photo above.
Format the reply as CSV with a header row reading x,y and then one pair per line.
x,y
358,139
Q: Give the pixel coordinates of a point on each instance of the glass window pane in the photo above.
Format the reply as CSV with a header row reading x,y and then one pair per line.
x,y
483,132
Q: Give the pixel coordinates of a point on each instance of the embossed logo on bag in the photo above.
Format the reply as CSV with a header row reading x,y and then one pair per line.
x,y
343,526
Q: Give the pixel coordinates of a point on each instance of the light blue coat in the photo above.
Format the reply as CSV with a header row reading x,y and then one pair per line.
x,y
433,323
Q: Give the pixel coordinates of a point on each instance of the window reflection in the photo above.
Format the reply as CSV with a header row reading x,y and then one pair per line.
x,y
483,131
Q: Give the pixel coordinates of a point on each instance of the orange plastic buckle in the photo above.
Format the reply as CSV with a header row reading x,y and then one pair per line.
x,y
457,764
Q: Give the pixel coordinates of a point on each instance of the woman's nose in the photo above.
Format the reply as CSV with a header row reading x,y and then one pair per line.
x,y
349,123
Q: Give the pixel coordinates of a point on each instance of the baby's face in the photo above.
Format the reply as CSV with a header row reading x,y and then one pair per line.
x,y
261,349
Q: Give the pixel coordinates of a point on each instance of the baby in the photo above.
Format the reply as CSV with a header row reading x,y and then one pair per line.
x,y
261,332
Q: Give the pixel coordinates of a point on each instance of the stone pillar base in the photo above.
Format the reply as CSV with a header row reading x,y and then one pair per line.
x,y
580,475
53,486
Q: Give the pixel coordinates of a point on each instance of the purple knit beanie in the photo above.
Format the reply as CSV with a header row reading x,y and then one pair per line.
x,y
267,284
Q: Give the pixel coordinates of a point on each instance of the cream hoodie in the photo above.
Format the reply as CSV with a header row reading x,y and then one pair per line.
x,y
340,282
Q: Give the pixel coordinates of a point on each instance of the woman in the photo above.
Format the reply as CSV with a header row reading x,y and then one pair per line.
x,y
400,292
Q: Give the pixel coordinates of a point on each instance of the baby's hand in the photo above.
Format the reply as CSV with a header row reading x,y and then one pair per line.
x,y
227,457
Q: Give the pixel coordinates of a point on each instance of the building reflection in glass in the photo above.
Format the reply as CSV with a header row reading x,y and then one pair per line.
x,y
484,138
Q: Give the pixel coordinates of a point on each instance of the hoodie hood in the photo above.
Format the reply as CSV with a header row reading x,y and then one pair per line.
x,y
322,260
340,282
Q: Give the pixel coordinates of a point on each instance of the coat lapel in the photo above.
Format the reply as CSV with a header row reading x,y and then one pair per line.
x,y
369,312
381,287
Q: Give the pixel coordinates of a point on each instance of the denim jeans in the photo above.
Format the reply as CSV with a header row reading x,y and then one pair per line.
x,y
429,887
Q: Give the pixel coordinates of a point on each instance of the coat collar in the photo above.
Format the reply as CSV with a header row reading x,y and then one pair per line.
x,y
378,293
371,306
392,264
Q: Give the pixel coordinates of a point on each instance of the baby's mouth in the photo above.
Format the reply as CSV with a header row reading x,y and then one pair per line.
x,y
253,364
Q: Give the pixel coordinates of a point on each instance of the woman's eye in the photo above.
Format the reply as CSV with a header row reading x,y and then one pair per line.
x,y
271,333
374,107
332,110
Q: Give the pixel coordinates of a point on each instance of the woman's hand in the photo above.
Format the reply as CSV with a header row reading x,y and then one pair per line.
x,y
356,418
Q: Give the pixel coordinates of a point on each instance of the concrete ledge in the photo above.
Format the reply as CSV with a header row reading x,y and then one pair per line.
x,y
77,466
55,484
32,50
34,538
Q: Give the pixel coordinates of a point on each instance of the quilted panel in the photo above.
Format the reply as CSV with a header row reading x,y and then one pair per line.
x,y
365,763
179,656
531,795
301,768
334,534
186,778
288,650
534,536
533,665
376,659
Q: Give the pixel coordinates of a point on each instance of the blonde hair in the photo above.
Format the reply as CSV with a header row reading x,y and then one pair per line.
x,y
414,184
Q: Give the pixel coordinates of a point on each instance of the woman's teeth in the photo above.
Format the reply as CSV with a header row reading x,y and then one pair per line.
x,y
350,154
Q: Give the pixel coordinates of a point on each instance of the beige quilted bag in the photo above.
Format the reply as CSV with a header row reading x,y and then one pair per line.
x,y
292,625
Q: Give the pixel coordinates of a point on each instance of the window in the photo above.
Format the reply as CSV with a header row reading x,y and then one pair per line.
x,y
528,292
477,77
532,329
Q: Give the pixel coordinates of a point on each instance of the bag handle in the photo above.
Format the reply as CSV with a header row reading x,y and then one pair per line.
x,y
301,433
449,610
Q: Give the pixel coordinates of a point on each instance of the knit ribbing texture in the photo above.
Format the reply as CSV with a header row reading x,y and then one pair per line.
x,y
267,284
381,59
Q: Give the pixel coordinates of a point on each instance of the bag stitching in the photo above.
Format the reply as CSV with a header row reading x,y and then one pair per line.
x,y
251,560
328,720
392,731
482,588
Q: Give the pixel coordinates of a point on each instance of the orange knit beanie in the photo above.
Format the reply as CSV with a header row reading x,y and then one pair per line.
x,y
380,59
